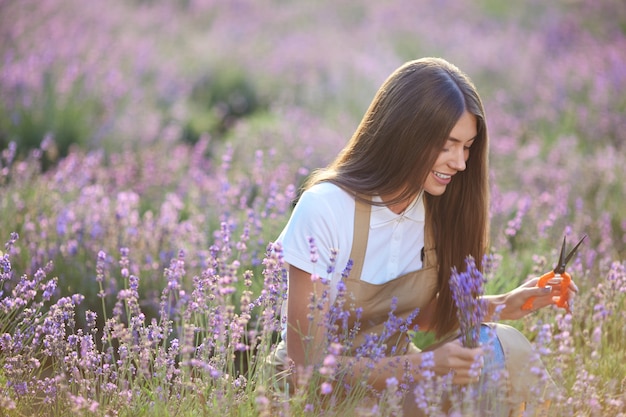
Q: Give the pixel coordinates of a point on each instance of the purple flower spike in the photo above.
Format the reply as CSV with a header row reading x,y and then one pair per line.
x,y
467,291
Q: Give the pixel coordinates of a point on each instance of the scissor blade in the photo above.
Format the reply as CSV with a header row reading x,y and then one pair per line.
x,y
562,254
560,266
573,251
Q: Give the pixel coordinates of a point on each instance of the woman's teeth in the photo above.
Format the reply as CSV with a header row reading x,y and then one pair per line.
x,y
442,176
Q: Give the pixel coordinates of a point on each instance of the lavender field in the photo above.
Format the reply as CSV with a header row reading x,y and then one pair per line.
x,y
151,151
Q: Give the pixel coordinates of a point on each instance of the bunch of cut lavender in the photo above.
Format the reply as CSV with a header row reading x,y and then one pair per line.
x,y
467,290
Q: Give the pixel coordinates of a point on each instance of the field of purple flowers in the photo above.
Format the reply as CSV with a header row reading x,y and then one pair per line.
x,y
151,151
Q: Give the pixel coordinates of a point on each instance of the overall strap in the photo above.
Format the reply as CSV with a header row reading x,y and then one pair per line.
x,y
362,213
430,255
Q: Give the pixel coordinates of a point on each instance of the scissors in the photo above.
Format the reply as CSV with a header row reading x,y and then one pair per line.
x,y
559,270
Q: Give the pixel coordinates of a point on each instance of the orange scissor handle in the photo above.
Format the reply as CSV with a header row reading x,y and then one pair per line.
x,y
562,302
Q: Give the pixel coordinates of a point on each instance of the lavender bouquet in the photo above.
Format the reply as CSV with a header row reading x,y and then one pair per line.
x,y
467,290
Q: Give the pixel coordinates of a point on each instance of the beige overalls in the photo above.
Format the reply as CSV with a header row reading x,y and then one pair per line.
x,y
414,290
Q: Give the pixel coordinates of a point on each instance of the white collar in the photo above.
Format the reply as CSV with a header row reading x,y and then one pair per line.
x,y
382,215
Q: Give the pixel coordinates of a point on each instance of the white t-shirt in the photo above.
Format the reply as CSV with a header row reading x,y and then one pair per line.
x,y
325,214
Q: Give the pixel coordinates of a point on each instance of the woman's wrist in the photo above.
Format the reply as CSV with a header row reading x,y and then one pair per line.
x,y
493,301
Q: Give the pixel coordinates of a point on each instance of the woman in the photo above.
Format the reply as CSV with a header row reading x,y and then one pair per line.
x,y
404,202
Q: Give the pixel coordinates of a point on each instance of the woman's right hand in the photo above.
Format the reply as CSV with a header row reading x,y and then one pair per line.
x,y
465,364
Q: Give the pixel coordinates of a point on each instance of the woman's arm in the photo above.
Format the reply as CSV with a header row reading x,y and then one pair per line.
x,y
306,342
306,308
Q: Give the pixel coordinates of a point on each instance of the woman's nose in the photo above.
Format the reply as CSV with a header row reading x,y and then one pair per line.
x,y
458,160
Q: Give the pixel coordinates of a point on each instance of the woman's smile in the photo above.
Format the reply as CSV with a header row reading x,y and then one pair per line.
x,y
443,178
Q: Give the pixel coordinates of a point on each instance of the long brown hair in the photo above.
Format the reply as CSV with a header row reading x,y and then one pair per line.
x,y
394,149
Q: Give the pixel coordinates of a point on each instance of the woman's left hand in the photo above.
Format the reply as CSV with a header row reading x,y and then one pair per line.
x,y
543,296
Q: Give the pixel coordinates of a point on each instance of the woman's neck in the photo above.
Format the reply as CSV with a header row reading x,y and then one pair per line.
x,y
397,208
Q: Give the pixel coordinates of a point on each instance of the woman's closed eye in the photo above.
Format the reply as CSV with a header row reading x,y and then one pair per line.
x,y
448,148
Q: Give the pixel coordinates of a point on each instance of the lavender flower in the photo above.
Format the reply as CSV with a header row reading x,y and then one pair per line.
x,y
326,388
467,290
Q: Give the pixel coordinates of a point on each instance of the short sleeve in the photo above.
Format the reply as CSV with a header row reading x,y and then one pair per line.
x,y
317,230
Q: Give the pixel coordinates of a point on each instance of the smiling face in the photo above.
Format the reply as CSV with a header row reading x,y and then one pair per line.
x,y
453,156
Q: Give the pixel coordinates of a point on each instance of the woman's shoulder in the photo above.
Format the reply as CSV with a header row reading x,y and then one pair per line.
x,y
325,200
324,212
328,192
